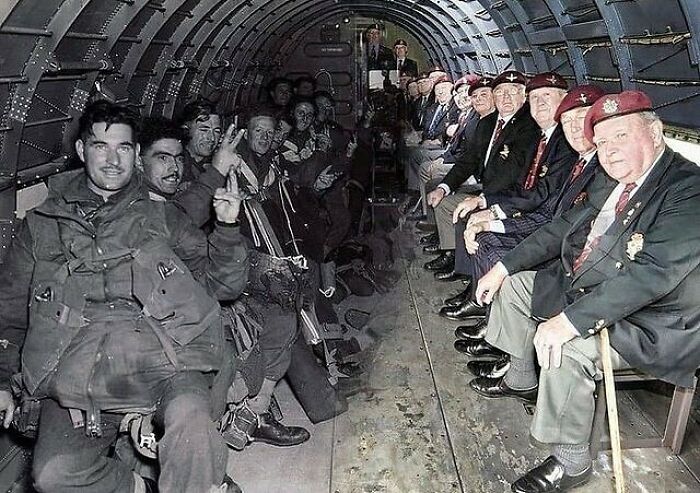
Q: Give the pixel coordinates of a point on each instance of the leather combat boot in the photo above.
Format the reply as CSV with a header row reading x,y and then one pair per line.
x,y
272,432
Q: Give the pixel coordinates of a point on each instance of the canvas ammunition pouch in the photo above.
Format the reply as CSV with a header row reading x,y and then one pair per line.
x,y
56,307
237,425
175,305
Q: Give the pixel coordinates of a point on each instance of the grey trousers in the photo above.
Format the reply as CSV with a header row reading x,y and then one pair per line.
x,y
415,156
443,218
565,401
427,172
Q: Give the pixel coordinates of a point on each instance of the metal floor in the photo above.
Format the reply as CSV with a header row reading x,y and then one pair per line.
x,y
417,428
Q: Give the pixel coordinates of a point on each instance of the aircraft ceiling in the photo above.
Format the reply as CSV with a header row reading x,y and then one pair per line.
x,y
156,55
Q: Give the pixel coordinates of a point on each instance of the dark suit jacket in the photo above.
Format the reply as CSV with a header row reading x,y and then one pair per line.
x,y
557,161
509,154
419,108
458,142
446,119
409,66
385,59
468,163
556,204
648,295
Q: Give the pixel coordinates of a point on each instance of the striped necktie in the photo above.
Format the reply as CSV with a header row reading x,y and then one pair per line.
x,y
531,177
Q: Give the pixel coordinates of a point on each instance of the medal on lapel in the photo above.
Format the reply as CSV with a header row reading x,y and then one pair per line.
x,y
505,152
635,245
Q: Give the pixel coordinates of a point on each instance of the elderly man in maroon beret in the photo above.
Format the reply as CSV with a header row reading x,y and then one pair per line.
x,y
625,260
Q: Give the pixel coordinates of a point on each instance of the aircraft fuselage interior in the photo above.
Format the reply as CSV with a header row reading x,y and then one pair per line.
x,y
349,246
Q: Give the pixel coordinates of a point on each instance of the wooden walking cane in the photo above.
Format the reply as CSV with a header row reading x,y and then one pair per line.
x,y
611,403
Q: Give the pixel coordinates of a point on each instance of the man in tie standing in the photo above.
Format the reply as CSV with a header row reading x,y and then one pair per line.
x,y
404,65
627,261
379,57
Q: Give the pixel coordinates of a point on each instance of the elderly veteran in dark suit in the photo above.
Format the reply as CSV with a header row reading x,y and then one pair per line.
x,y
379,57
550,160
628,261
404,65
489,248
503,148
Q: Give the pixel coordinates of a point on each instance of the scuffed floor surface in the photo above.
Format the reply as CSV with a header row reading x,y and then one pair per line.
x,y
416,428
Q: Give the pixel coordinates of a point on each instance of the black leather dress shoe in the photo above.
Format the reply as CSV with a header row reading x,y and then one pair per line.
x,y
550,476
451,276
426,226
495,388
273,432
477,347
491,369
468,309
444,263
459,298
433,249
472,332
430,239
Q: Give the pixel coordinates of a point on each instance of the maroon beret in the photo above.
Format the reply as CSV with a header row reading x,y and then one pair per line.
x,y
443,78
462,81
483,82
612,105
547,79
579,97
509,77
422,76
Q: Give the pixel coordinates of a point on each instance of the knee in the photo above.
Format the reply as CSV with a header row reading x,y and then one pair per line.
x,y
515,284
444,209
186,409
507,288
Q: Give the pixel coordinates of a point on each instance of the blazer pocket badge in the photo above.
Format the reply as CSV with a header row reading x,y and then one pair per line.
x,y
580,198
544,170
505,152
635,245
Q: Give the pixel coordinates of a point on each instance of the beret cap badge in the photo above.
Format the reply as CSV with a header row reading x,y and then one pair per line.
x,y
610,106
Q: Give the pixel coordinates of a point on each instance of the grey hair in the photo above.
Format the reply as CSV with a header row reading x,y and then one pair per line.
x,y
649,117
